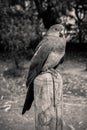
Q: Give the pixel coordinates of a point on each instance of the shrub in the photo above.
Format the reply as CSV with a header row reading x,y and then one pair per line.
x,y
18,32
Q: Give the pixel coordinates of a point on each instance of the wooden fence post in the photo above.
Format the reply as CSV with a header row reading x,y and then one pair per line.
x,y
48,102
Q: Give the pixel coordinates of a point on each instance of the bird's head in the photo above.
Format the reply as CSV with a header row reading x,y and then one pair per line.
x,y
56,30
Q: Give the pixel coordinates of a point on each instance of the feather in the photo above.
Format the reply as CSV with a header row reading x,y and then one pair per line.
x,y
29,99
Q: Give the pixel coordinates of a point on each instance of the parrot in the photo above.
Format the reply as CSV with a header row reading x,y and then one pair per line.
x,y
48,55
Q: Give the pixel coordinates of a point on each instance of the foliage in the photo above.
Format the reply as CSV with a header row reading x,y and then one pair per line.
x,y
51,11
21,27
18,32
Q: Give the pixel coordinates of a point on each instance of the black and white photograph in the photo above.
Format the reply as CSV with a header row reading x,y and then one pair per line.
x,y
43,64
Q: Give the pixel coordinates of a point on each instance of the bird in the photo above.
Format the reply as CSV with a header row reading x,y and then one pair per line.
x,y
48,55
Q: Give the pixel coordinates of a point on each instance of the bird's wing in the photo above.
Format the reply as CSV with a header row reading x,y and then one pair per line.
x,y
38,61
36,65
47,55
56,55
53,60
45,39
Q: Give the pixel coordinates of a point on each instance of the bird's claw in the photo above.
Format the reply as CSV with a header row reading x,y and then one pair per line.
x,y
53,72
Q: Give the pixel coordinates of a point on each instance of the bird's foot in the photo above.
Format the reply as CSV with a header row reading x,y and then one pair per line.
x,y
53,72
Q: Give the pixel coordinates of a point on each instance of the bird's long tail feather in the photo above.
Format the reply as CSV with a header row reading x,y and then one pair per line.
x,y
29,99
31,77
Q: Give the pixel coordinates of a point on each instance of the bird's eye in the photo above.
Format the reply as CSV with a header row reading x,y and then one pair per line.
x,y
60,35
55,29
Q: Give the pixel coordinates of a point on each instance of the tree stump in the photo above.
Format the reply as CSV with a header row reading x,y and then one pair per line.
x,y
48,102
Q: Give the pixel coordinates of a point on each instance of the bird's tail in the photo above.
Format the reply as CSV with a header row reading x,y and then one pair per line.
x,y
31,77
29,99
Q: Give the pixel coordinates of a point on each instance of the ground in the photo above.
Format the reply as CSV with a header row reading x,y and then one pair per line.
x,y
13,91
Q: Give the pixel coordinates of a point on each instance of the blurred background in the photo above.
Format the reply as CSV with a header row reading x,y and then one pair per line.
x,y
23,24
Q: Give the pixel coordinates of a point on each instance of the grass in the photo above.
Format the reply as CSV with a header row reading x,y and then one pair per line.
x,y
13,90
